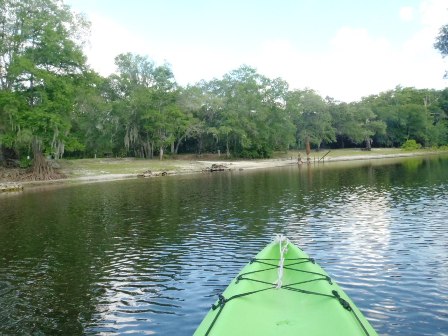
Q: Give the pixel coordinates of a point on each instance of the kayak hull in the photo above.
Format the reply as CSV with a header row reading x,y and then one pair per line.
x,y
308,302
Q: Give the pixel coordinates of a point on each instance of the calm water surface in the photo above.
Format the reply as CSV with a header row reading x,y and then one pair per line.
x,y
150,256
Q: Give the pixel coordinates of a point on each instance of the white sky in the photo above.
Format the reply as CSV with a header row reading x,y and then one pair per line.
x,y
345,49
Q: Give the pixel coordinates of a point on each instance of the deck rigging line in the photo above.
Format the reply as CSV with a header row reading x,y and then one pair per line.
x,y
222,301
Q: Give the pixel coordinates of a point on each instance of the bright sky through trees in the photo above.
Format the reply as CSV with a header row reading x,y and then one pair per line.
x,y
344,49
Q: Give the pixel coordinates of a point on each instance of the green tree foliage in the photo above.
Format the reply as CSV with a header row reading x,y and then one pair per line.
x,y
312,117
410,114
94,127
411,144
192,100
51,103
279,125
41,61
357,123
145,98
247,114
441,43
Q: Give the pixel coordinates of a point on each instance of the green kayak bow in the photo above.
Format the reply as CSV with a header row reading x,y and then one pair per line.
x,y
282,291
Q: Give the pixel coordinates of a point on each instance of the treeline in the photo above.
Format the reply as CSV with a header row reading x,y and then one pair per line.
x,y
51,103
140,111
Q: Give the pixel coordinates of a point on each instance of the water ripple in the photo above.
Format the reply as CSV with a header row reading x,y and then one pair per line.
x,y
150,256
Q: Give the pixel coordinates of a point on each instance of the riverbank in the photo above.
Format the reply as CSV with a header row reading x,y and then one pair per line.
x,y
89,170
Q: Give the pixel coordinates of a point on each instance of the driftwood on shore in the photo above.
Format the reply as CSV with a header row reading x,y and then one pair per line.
x,y
10,186
216,167
149,173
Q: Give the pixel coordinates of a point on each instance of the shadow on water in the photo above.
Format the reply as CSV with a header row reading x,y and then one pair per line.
x,y
150,256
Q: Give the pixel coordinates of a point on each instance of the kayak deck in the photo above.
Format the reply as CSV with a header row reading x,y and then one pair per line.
x,y
308,302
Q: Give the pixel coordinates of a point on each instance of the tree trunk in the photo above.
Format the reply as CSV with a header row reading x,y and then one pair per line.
x,y
307,146
176,149
308,149
2,158
172,147
146,149
200,145
368,144
161,153
42,170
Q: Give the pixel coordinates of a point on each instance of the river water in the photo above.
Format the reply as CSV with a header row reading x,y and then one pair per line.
x,y
150,256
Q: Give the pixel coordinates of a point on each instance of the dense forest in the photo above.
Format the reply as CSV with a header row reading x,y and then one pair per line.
x,y
53,104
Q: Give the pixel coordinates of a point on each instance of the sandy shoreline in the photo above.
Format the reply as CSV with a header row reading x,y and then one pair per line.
x,y
187,167
180,167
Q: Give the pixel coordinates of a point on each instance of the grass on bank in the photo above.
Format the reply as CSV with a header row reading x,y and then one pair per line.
x,y
187,162
86,167
354,152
